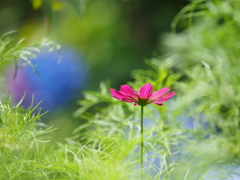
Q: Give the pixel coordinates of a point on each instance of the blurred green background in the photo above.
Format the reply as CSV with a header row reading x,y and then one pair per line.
x,y
114,37
201,126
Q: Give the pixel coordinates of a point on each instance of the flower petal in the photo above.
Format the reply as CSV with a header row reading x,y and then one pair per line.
x,y
127,100
160,104
169,96
127,90
158,94
117,94
146,91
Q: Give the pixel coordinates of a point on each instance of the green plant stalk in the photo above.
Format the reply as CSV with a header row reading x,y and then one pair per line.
x,y
141,147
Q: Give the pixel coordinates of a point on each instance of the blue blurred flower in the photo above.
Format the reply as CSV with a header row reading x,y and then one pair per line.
x,y
63,75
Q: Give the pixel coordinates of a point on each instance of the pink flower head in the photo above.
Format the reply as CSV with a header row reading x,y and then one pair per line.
x,y
144,96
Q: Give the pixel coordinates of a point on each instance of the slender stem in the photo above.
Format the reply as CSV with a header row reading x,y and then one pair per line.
x,y
141,148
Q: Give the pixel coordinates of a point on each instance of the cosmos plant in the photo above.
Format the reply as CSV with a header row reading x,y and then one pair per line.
x,y
144,97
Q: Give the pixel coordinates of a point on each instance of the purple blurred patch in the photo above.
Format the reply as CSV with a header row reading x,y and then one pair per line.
x,y
60,81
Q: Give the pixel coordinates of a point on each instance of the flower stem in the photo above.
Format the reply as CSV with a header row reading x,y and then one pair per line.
x,y
141,148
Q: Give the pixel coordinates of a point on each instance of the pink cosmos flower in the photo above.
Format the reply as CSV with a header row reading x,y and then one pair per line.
x,y
144,96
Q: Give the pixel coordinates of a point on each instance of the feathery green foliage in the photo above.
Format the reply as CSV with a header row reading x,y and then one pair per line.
x,y
194,136
15,51
201,64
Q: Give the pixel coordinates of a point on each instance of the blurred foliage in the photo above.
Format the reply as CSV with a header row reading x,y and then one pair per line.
x,y
208,55
110,35
48,6
199,63
20,140
10,50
